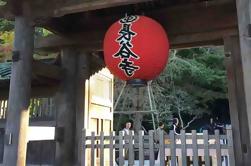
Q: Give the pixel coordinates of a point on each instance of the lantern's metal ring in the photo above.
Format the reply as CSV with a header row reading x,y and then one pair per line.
x,y
137,83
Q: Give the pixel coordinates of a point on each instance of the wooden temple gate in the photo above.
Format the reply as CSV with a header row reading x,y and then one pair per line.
x,y
79,27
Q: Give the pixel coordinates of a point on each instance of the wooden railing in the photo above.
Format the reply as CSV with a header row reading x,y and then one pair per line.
x,y
40,109
3,108
185,149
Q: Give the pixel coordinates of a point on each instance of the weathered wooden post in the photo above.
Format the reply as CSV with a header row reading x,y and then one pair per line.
x,y
70,103
65,106
19,95
244,22
83,73
236,95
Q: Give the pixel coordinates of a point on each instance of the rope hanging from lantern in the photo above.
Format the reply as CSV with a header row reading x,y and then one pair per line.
x,y
124,96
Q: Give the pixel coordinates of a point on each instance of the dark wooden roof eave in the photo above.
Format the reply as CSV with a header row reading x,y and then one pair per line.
x,y
187,26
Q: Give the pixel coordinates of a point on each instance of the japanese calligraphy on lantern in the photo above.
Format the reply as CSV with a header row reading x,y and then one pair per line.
x,y
125,52
136,47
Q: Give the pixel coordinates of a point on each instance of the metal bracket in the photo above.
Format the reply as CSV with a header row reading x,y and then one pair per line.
x,y
249,30
228,54
8,139
59,134
15,56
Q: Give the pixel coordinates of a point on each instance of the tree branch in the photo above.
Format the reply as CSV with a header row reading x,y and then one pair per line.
x,y
191,121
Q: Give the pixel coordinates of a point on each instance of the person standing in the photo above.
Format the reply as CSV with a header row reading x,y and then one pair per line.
x,y
176,126
127,131
127,128
159,129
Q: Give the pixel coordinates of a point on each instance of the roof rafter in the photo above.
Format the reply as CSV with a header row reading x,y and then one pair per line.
x,y
184,27
93,5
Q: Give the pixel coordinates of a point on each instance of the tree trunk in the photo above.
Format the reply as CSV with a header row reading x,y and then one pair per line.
x,y
138,106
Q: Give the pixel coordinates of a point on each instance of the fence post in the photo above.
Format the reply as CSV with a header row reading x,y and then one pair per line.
x,y
111,148
151,148
230,146
84,147
162,148
183,147
141,148
92,148
206,150
218,149
195,148
173,148
101,148
130,150
1,109
121,145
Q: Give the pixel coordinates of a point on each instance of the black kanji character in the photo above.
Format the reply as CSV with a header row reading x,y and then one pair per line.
x,y
125,52
128,67
126,35
128,19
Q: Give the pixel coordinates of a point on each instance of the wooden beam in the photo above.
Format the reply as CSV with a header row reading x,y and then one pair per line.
x,y
93,5
47,70
66,7
36,91
41,123
201,39
56,43
53,43
58,8
184,26
5,12
176,19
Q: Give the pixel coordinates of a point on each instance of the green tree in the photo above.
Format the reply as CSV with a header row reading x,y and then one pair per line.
x,y
7,38
192,80
2,2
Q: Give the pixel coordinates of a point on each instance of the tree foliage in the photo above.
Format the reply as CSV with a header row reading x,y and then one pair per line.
x,y
192,80
7,38
3,2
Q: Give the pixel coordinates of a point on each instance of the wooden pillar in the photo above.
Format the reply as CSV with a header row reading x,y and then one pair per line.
x,y
70,105
19,95
83,73
236,96
244,21
65,107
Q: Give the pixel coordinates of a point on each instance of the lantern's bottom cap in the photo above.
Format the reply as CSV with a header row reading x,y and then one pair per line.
x,y
137,82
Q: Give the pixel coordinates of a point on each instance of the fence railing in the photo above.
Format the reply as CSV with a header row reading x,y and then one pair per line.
x,y
3,108
40,109
184,149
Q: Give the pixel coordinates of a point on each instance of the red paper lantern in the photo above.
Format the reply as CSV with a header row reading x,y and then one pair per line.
x,y
136,47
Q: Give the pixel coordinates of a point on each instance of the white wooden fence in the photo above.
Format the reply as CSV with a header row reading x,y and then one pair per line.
x,y
184,149
3,108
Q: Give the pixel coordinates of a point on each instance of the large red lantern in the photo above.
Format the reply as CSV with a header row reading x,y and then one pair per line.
x,y
136,47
